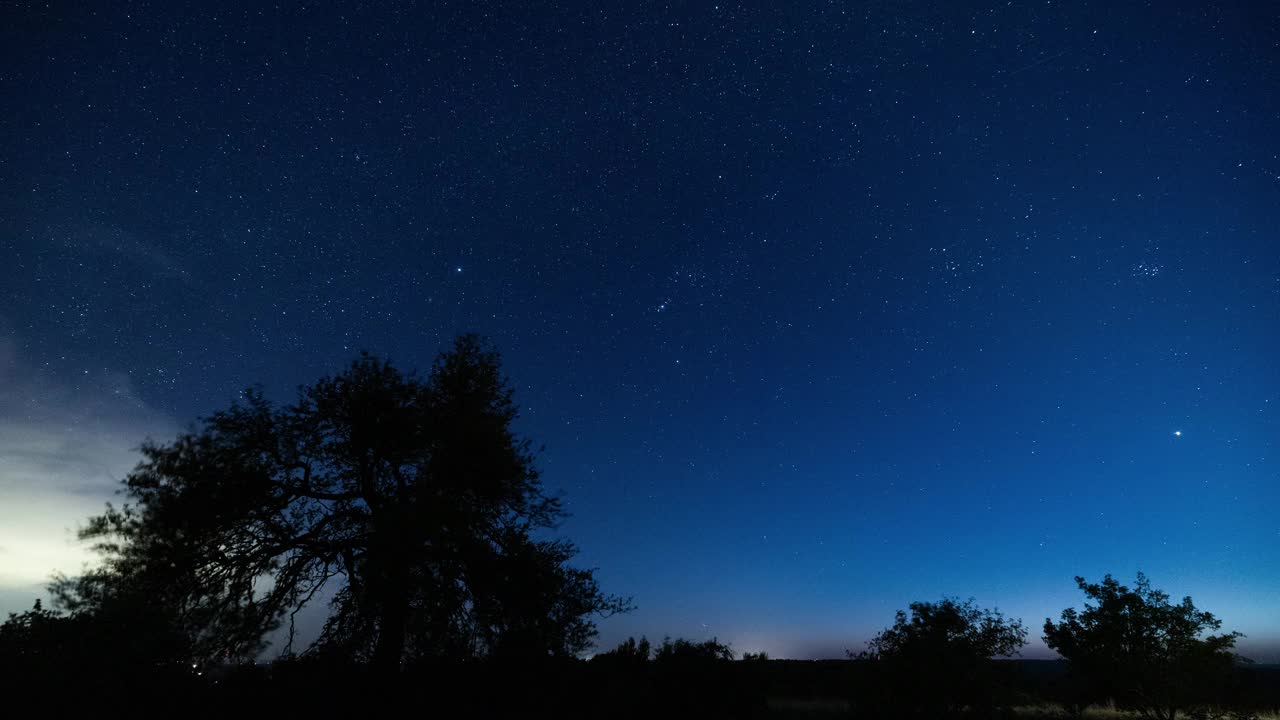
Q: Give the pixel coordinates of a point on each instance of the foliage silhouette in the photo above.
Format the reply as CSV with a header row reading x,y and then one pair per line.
x,y
627,652
36,637
410,499
937,660
41,647
685,652
1133,645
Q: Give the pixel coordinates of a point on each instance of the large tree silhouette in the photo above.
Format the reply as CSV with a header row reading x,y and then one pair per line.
x,y
409,501
1133,645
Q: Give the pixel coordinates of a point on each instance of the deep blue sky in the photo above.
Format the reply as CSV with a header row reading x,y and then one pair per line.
x,y
817,309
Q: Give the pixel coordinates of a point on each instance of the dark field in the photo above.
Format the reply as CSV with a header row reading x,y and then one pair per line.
x,y
768,688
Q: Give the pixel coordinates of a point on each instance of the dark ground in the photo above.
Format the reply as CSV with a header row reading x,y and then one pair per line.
x,y
745,689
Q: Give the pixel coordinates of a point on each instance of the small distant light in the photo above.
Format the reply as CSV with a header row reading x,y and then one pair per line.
x,y
1177,433
458,269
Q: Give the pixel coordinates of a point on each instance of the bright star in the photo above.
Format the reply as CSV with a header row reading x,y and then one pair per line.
x,y
1177,433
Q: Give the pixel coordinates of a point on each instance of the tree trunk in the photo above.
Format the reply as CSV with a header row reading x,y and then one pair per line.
x,y
393,595
389,651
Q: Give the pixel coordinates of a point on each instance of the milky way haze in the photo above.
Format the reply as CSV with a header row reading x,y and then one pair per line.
x,y
818,310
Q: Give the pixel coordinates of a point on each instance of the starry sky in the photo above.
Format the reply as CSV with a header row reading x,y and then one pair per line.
x,y
818,308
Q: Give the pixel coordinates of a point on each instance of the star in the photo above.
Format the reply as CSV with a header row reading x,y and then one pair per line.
x,y
1177,433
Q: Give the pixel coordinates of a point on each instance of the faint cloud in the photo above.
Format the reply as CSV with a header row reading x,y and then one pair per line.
x,y
64,446
132,248
110,246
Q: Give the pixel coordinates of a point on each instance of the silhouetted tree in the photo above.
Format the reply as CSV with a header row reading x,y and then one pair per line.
x,y
681,651
938,659
1133,645
627,651
675,651
34,637
412,497
40,645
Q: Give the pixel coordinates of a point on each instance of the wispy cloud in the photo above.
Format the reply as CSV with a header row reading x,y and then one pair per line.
x,y
64,446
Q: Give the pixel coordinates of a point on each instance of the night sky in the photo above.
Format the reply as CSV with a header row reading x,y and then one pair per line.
x,y
818,309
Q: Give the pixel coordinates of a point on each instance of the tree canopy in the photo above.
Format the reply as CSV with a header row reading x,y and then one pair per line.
x,y
409,502
1133,645
936,658
948,628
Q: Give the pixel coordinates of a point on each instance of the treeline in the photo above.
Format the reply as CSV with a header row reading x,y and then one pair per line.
x,y
1129,647
411,504
701,685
